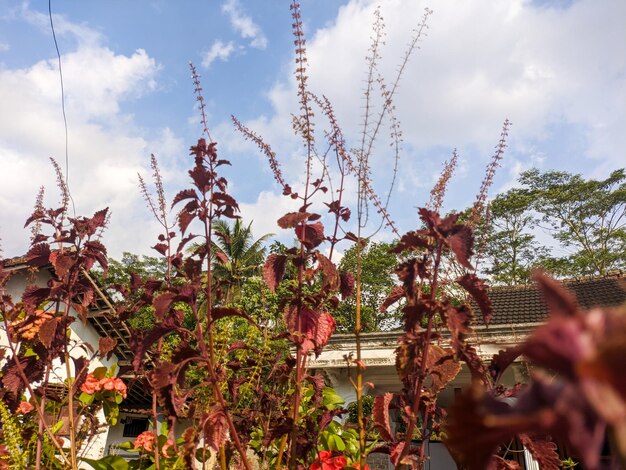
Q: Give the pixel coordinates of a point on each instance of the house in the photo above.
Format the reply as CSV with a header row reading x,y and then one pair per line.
x,y
517,311
100,323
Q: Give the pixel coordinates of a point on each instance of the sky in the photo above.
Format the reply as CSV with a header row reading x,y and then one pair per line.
x,y
556,69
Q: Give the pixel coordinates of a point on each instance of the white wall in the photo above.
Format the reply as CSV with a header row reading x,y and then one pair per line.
x,y
81,335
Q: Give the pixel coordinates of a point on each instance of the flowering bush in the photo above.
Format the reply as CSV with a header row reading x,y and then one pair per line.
x,y
101,387
93,384
145,441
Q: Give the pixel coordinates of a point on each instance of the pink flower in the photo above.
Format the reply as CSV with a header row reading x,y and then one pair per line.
x,y
120,386
91,385
107,384
145,441
25,407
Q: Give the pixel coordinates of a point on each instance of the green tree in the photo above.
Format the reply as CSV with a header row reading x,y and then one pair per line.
x,y
377,267
119,273
236,255
511,248
586,217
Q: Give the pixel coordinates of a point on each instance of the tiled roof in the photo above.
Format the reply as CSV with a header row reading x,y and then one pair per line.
x,y
524,304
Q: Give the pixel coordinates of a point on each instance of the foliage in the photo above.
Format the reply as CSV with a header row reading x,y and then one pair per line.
x,y
377,266
586,217
121,273
224,346
511,248
236,256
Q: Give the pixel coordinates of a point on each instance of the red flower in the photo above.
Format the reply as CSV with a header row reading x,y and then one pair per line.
x,y
327,462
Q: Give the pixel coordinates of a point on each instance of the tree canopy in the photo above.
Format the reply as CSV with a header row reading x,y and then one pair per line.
x,y
585,217
377,280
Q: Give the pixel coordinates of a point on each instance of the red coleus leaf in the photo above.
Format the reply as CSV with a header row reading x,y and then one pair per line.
x,y
38,255
502,360
140,344
223,199
476,426
559,300
543,450
223,312
292,219
34,296
36,215
381,416
96,250
458,321
311,235
411,241
47,331
461,242
97,221
559,345
184,219
162,304
274,270
478,423
62,262
185,194
312,331
200,176
498,463
396,451
106,345
396,294
479,292
215,429
330,275
442,367
161,248
346,284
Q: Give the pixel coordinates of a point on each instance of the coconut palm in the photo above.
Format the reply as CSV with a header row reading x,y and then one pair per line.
x,y
236,255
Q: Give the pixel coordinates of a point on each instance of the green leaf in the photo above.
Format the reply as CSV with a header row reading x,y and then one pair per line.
x,y
330,399
85,398
110,462
100,373
29,353
336,443
57,427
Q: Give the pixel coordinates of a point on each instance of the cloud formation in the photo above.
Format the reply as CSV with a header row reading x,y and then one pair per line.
x,y
106,148
219,50
244,25
553,70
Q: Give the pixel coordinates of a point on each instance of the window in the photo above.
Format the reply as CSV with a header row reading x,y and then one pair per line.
x,y
135,426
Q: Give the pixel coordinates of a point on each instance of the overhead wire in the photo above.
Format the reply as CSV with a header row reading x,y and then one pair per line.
x,y
67,158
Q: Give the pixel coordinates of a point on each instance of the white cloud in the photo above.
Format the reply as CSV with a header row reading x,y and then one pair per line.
x,y
219,50
62,26
106,148
244,24
544,68
4,47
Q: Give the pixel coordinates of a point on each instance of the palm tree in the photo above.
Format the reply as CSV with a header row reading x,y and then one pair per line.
x,y
236,255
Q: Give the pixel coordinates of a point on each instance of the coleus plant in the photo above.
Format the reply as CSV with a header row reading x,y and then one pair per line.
x,y
577,394
578,406
38,329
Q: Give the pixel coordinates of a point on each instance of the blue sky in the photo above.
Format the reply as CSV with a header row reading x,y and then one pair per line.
x,y
557,70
